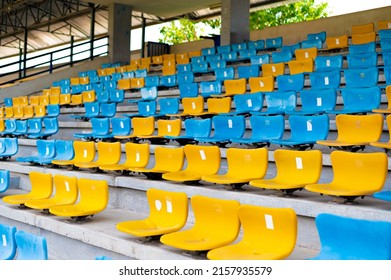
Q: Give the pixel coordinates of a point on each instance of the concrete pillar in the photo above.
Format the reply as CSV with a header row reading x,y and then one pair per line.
x,y
235,21
120,25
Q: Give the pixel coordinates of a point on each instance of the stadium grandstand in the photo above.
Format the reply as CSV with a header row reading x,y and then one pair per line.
x,y
270,144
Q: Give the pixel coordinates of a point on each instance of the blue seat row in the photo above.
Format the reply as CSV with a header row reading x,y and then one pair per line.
x,y
34,128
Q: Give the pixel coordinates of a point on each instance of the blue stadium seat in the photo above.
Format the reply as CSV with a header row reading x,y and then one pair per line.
x,y
311,43
185,78
230,56
197,60
305,131
188,90
152,81
115,77
273,43
293,82
52,110
362,48
194,128
328,63
247,71
364,77
345,238
184,68
120,126
279,103
317,101
263,130
239,46
291,48
8,102
383,195
384,34
91,111
257,45
21,128
99,127
107,110
317,36
248,103
209,88
362,60
213,57
145,109
5,178
208,51
282,56
10,127
224,49
128,75
34,126
140,73
359,100
213,65
30,246
385,44
8,248
11,148
147,94
102,96
246,54
260,59
167,105
325,79
223,74
225,128
117,96
64,151
169,81
46,149
386,58
51,128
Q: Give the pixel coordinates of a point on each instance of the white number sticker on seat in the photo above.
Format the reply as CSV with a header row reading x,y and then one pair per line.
x,y
229,123
193,105
85,153
4,240
306,54
262,84
158,205
318,101
328,63
202,154
299,163
169,206
326,81
249,103
169,128
337,41
269,222
273,69
137,157
67,186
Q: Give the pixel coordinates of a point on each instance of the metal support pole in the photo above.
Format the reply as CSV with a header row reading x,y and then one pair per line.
x,y
92,31
25,53
143,24
20,62
71,54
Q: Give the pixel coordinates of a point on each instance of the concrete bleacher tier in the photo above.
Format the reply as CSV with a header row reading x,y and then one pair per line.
x,y
127,200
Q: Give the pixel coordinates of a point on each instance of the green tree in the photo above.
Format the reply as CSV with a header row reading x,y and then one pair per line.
x,y
185,30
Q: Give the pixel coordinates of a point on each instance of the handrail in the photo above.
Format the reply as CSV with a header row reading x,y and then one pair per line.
x,y
89,53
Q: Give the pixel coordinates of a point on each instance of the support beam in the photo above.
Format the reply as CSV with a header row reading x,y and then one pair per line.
x,y
235,21
92,31
144,21
120,25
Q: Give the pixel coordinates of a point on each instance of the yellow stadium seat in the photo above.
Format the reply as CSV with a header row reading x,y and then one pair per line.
x,y
54,90
47,91
363,38
110,71
273,69
244,165
108,153
28,112
34,100
337,42
135,62
141,126
101,72
15,101
306,53
383,24
9,112
355,131
40,111
388,109
169,56
76,99
23,100
261,84
44,100
216,106
137,156
54,98
84,152
201,161
137,83
88,96
167,213
66,192
131,67
157,60
165,128
301,66
268,234
65,99
216,224
41,187
191,106
384,145
355,175
194,53
295,169
18,112
167,159
168,70
75,81
84,80
124,84
144,66
169,62
182,60
363,28
145,60
232,87
93,199
2,125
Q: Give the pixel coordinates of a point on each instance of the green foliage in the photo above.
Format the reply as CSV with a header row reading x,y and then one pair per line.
x,y
185,30
291,13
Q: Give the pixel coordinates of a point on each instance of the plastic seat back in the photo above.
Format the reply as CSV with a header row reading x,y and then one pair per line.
x,y
273,69
370,241
267,127
247,54
116,96
64,150
247,71
290,82
209,88
202,160
21,127
337,42
219,105
84,151
224,49
305,65
228,127
198,128
314,101
108,153
91,110
216,224
193,105
223,74
8,248
147,108
148,93
363,38
273,43
11,147
257,45
169,159
137,154
281,101
18,112
362,60
235,86
5,178
168,105
107,110
309,129
28,112
260,59
246,103
188,90
311,43
361,99
364,77
169,127
318,36
208,51
325,79
34,125
100,126
268,234
30,246
364,48
327,63
51,125
169,80
282,56
261,84
102,96
185,78
143,125
120,126
167,213
291,48
46,148
303,54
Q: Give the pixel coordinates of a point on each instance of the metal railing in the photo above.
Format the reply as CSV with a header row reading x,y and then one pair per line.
x,y
27,67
